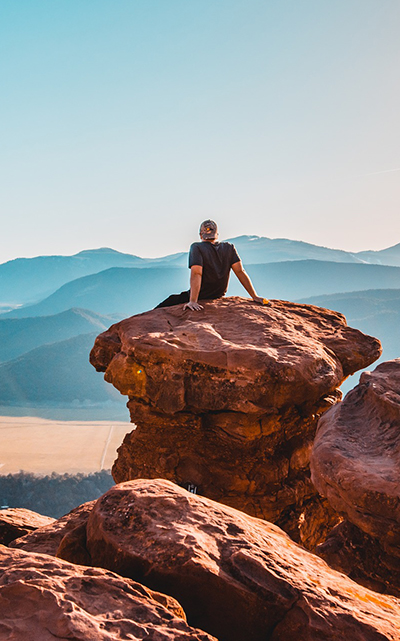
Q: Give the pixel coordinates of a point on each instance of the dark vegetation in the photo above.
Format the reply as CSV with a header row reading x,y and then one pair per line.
x,y
53,495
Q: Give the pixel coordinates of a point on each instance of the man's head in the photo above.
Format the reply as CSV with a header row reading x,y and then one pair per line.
x,y
208,230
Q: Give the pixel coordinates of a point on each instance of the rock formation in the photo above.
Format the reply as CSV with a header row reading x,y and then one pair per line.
x,y
226,401
47,539
356,465
362,558
44,599
236,576
16,522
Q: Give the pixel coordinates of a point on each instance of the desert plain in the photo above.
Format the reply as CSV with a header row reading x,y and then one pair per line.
x,y
43,446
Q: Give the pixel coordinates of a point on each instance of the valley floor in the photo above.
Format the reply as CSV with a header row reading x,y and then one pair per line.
x,y
41,446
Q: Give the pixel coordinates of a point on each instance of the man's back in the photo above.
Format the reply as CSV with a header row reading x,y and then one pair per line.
x,y
216,260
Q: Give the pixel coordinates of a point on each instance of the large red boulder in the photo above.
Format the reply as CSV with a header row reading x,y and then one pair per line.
x,y
355,464
356,455
236,576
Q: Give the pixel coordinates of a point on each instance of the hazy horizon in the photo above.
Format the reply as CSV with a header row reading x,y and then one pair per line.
x,y
183,250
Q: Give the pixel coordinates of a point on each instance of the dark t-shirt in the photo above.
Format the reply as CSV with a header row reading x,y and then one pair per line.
x,y
216,260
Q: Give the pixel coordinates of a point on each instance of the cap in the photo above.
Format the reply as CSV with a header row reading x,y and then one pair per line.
x,y
208,230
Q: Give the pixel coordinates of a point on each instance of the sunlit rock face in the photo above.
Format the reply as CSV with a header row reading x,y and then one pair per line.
x,y
237,577
355,464
226,401
44,599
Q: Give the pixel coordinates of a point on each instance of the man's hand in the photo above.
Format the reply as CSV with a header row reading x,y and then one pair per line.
x,y
195,307
261,300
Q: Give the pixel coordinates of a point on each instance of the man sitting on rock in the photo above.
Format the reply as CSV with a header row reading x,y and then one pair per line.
x,y
210,263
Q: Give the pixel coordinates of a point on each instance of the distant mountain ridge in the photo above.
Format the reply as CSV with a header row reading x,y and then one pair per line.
x,y
127,291
25,280
55,374
373,311
20,335
28,280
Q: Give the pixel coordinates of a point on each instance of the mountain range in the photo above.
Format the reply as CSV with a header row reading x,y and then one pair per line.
x,y
18,336
28,280
57,374
63,302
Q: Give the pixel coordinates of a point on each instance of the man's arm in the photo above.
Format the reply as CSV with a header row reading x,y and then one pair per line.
x,y
196,273
244,279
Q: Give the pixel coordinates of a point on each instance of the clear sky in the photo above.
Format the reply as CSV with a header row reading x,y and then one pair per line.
x,y
124,123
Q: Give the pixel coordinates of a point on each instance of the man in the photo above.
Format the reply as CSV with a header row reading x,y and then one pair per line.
x,y
210,263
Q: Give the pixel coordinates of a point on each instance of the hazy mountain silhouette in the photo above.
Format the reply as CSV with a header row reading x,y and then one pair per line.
x,y
298,279
20,335
57,374
120,291
255,250
389,256
258,249
126,291
27,280
375,312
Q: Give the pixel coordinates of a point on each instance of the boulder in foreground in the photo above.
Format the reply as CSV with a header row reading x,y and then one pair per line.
x,y
44,599
236,576
18,521
48,539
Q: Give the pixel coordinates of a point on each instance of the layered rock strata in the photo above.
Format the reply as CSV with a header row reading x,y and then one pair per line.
x,y
236,576
226,401
44,599
355,464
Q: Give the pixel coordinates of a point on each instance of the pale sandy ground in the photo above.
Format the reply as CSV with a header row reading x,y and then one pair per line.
x,y
43,446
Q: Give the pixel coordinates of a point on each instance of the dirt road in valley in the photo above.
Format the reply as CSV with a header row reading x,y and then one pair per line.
x,y
43,446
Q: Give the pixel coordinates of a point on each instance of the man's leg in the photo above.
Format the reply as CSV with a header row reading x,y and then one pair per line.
x,y
175,299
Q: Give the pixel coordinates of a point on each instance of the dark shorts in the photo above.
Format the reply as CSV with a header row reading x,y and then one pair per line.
x,y
175,299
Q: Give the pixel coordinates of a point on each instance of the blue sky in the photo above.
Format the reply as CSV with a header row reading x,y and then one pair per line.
x,y
124,123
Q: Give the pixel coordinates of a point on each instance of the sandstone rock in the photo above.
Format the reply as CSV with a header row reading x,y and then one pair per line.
x,y
356,456
236,576
349,550
235,355
16,522
47,539
43,599
226,401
